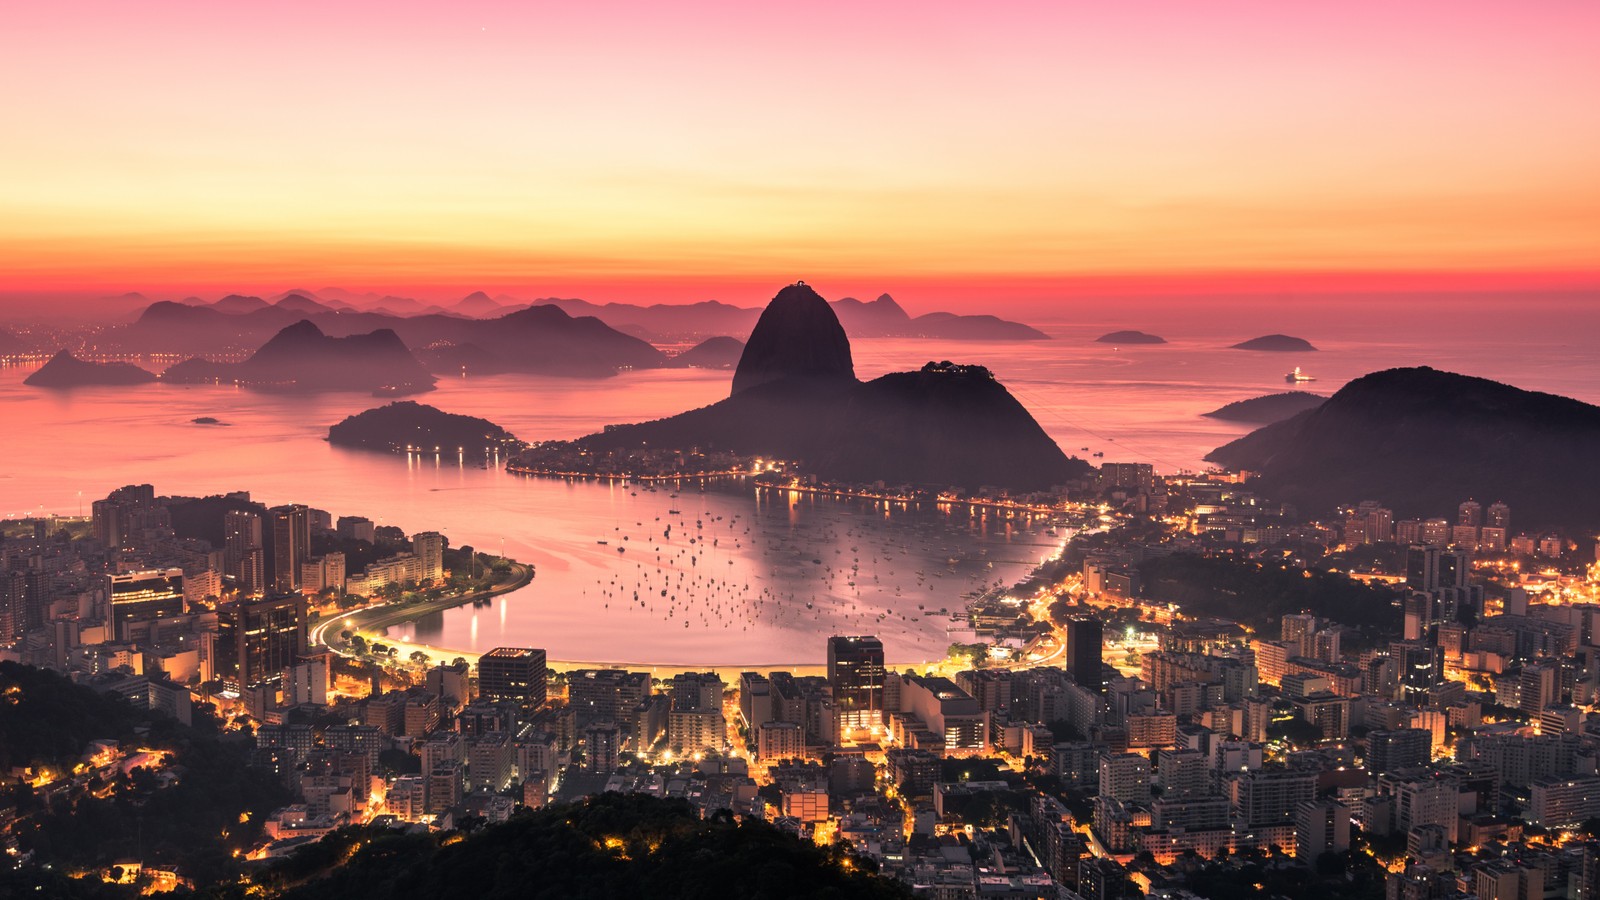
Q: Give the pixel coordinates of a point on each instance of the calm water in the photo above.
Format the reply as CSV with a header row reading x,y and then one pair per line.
x,y
759,583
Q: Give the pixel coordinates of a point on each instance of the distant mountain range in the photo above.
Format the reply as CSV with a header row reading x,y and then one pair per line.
x,y
302,358
795,396
542,340
65,370
1420,441
882,317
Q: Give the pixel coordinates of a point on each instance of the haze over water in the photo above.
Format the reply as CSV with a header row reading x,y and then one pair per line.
x,y
749,605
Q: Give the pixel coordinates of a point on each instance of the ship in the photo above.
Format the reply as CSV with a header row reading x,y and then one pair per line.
x,y
1298,376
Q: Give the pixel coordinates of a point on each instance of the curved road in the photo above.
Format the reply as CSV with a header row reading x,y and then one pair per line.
x,y
381,616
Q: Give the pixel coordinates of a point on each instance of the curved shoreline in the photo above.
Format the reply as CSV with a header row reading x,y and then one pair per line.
x,y
372,620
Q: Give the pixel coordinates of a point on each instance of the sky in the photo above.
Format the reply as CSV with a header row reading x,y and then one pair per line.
x,y
973,154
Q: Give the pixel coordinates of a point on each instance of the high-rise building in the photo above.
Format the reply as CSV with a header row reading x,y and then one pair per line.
x,y
1126,777
291,545
243,555
140,596
1320,827
1083,653
1401,748
1298,629
1429,568
856,672
1499,516
1470,513
428,547
13,606
512,673
258,639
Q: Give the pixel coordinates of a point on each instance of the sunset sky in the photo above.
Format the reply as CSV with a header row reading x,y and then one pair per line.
x,y
639,151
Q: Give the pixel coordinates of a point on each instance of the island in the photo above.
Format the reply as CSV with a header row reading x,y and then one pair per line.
x,y
1275,343
208,420
406,425
1419,438
1130,337
1268,408
65,370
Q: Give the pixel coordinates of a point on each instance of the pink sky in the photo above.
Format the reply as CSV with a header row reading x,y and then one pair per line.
x,y
654,151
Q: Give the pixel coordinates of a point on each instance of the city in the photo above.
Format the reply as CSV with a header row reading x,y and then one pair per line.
x,y
1091,738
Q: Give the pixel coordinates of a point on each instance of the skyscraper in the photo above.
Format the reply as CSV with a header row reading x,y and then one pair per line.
x,y
1470,513
291,546
855,671
512,673
1083,653
258,639
243,555
138,596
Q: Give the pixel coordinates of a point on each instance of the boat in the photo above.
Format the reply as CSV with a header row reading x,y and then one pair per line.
x,y
1298,376
602,543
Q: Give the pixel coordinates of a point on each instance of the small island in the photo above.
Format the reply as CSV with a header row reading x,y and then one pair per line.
x,y
1275,343
1130,337
65,370
407,426
208,420
1270,408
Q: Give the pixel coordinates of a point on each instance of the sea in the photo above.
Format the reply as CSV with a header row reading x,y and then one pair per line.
x,y
723,576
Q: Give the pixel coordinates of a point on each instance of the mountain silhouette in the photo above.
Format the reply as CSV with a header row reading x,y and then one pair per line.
x,y
795,397
797,336
1420,441
302,358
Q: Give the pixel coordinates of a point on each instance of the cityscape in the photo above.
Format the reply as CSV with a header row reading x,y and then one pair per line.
x,y
1032,453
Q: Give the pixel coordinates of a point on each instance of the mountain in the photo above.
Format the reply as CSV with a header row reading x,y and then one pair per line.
x,y
795,397
541,340
1129,338
797,336
300,303
712,353
235,304
1276,343
1270,408
477,304
407,424
302,358
881,318
1421,441
952,327
66,370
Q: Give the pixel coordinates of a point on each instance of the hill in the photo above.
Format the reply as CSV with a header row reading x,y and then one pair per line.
x,y
1269,408
795,397
1129,337
1421,441
712,353
65,370
405,424
302,358
610,846
953,327
1275,343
